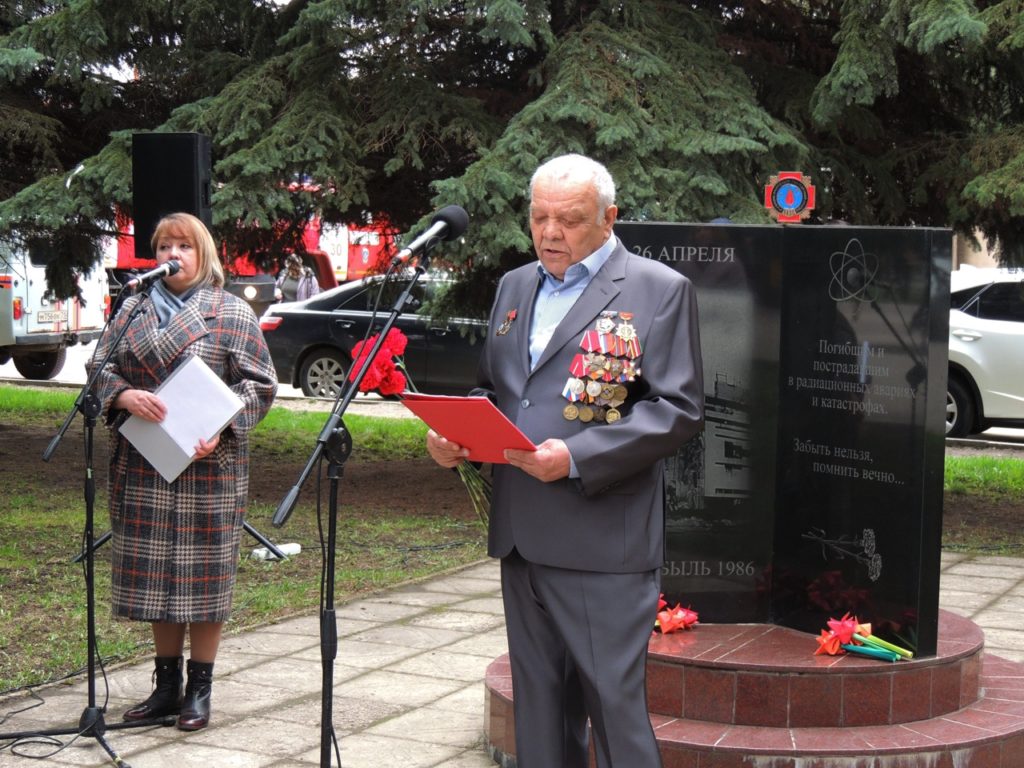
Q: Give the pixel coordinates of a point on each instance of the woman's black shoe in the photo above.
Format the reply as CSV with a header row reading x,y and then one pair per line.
x,y
195,709
166,697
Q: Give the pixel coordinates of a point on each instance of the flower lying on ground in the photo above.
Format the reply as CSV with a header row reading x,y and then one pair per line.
x,y
673,619
848,635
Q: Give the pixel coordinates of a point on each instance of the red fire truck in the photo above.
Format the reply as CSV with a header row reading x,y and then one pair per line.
x,y
335,254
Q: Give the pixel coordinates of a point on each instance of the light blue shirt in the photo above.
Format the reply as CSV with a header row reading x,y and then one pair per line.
x,y
556,297
554,300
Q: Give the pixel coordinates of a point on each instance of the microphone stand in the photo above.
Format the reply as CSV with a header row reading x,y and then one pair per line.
x,y
336,442
246,525
91,722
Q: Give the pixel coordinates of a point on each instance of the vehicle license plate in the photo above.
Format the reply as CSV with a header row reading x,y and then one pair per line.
x,y
52,316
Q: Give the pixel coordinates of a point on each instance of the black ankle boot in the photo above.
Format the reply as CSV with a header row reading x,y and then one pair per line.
x,y
195,709
166,697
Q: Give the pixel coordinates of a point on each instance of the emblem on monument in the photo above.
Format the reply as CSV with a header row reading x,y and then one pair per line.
x,y
789,197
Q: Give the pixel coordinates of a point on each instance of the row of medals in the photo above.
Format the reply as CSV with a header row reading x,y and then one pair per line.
x,y
602,403
601,399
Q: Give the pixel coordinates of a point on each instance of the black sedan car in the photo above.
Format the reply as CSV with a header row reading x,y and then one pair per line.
x,y
311,341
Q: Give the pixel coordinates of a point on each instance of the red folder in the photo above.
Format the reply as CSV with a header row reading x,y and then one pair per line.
x,y
472,422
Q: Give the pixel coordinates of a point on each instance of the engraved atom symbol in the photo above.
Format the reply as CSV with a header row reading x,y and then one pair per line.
x,y
853,273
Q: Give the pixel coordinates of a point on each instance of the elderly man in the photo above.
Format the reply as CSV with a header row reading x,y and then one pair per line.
x,y
594,354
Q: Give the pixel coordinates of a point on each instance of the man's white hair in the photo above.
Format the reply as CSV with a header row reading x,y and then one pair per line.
x,y
576,168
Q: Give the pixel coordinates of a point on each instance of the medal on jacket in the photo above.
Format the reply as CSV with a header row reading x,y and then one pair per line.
x,y
596,386
506,326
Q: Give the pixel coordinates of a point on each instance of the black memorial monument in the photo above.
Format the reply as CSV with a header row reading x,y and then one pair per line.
x,y
816,487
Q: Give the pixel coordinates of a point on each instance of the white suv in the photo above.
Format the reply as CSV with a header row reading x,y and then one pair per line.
x,y
986,350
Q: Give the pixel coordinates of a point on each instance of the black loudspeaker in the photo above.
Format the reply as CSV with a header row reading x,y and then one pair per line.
x,y
171,173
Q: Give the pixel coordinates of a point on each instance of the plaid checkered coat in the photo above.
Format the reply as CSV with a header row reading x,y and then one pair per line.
x,y
175,545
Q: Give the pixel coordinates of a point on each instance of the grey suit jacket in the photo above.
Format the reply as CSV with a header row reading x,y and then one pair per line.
x,y
611,518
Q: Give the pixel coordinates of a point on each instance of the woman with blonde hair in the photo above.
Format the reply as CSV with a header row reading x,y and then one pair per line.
x,y
176,544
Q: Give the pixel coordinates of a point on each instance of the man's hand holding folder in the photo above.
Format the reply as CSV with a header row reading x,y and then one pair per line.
x,y
472,422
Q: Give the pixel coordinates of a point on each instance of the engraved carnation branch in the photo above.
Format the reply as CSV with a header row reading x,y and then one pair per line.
x,y
862,549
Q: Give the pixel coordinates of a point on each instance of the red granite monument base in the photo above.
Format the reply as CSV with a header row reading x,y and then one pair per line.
x,y
756,696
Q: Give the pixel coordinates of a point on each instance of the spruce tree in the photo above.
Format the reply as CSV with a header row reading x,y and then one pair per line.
x,y
905,112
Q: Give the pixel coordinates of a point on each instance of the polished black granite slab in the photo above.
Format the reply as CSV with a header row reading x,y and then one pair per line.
x,y
816,487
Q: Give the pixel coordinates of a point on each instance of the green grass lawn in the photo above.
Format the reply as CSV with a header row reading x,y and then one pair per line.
x,y
42,595
43,630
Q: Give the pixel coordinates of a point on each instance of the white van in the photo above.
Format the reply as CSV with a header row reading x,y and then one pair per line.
x,y
35,328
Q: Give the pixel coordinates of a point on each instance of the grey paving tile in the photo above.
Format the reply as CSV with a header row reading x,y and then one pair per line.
x,y
307,624
411,636
986,568
342,671
473,758
995,618
1004,640
435,726
408,678
84,752
367,751
347,714
488,568
186,753
1016,562
229,663
310,626
348,626
484,605
964,603
990,586
490,644
463,585
462,621
233,700
469,699
60,707
265,642
951,558
416,596
1011,603
262,735
403,689
378,612
445,665
370,655
295,676
127,683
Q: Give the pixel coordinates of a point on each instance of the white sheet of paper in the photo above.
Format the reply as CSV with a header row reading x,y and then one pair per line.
x,y
199,405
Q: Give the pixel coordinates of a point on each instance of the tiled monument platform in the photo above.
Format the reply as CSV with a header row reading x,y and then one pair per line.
x,y
755,695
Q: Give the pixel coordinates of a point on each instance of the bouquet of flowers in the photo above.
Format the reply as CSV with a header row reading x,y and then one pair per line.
x,y
385,374
389,376
848,635
673,619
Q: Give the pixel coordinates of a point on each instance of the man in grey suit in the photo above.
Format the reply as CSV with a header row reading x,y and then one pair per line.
x,y
594,354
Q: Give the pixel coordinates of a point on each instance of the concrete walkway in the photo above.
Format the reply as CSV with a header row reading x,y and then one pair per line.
x,y
408,678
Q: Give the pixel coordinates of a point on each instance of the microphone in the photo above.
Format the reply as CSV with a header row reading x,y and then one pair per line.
x,y
447,224
164,270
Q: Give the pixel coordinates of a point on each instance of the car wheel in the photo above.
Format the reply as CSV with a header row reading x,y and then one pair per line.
x,y
959,410
41,366
323,373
